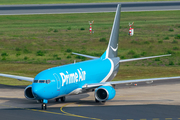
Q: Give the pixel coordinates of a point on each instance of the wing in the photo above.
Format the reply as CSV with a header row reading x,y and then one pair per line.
x,y
17,77
126,60
88,56
95,85
134,59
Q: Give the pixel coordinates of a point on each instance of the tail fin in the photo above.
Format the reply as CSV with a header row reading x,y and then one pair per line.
x,y
112,48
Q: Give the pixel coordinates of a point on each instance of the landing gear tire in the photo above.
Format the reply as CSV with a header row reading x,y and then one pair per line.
x,y
44,106
97,101
63,99
39,101
103,102
57,99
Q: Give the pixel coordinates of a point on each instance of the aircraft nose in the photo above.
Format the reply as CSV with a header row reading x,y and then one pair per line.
x,y
37,91
44,90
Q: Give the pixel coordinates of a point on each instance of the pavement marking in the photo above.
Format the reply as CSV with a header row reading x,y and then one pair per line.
x,y
69,114
44,111
155,118
73,115
9,106
152,119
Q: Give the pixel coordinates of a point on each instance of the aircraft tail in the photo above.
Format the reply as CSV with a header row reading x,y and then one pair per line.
x,y
112,48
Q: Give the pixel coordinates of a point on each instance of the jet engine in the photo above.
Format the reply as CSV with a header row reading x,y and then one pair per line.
x,y
28,93
104,93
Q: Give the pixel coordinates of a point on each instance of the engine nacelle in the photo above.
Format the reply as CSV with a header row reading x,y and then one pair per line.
x,y
104,93
28,93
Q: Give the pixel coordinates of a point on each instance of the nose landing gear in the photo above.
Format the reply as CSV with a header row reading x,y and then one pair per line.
x,y
44,104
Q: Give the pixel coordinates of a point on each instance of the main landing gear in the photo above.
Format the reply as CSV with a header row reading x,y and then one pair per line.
x,y
97,101
62,99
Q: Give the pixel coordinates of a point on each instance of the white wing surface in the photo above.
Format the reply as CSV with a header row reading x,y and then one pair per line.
x,y
95,85
87,56
142,58
17,77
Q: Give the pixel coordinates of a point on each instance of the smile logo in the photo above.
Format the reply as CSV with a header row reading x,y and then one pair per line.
x,y
114,49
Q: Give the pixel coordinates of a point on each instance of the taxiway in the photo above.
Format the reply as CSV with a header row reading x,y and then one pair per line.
x,y
87,8
157,101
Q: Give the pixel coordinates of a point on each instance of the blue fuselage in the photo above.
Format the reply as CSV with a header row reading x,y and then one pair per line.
x,y
65,79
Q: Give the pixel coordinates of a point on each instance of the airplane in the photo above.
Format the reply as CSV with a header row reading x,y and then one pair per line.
x,y
81,77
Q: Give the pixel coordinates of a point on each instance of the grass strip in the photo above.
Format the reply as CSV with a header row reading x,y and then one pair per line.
x,y
48,40
15,2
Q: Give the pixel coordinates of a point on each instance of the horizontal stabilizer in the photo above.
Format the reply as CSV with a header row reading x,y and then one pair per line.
x,y
17,77
87,56
142,58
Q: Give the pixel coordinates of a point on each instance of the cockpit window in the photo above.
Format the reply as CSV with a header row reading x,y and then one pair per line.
x,y
35,81
48,81
42,81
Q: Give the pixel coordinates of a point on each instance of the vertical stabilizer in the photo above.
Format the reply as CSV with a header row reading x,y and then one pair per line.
x,y
112,48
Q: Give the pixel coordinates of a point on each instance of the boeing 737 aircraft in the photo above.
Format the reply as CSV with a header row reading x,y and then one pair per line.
x,y
91,75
